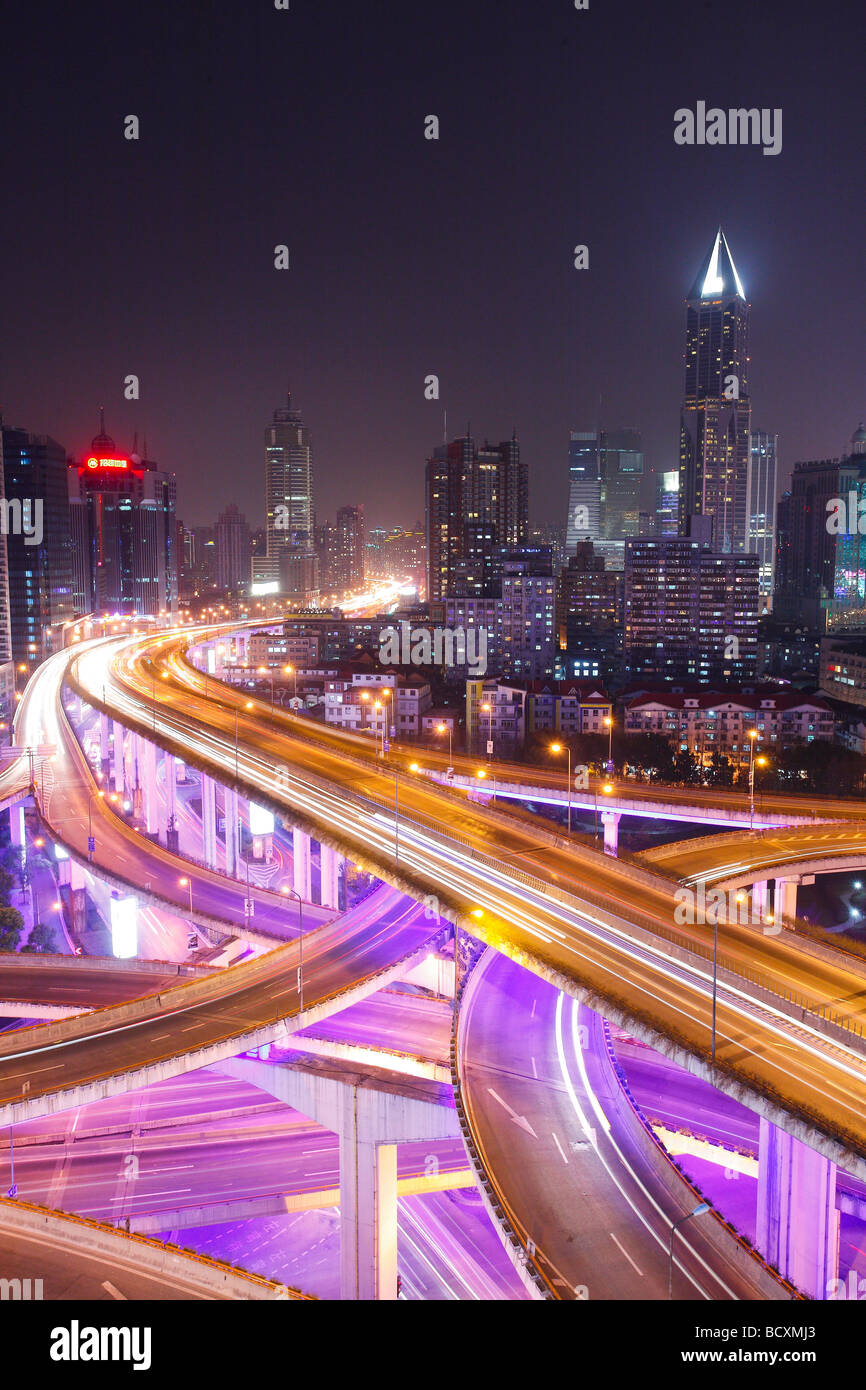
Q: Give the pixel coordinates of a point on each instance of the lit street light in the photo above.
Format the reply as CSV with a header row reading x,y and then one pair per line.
x,y
753,763
558,748
449,729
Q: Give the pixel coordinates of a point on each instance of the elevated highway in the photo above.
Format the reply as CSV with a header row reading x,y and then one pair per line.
x,y
604,930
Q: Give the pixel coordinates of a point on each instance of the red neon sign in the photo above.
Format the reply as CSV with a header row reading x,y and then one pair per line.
x,y
107,463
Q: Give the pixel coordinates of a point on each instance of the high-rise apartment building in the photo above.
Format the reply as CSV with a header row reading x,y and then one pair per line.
x,y
691,614
715,419
763,457
232,541
477,506
349,546
38,542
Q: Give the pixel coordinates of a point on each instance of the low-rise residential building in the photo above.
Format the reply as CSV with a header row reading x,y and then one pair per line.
x,y
568,707
385,703
706,722
504,712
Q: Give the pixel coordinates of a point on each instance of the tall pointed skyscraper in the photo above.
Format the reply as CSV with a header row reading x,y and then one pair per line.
x,y
716,415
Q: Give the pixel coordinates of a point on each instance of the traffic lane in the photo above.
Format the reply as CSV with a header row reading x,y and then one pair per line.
x,y
76,1277
765,1037
586,1224
333,961
819,983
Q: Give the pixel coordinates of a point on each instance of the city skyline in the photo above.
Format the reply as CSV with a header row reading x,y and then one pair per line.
x,y
539,341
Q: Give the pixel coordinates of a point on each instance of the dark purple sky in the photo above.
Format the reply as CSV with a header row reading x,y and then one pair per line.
x,y
409,257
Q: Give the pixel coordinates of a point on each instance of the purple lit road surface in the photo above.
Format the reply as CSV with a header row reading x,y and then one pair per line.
x,y
207,1137
674,1098
536,1097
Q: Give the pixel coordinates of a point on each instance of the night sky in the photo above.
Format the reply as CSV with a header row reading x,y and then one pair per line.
x,y
409,256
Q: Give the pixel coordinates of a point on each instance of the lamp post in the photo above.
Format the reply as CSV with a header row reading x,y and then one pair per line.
x,y
481,774
753,763
608,724
290,671
557,748
90,841
698,1211
443,728
487,708
263,671
187,883
293,892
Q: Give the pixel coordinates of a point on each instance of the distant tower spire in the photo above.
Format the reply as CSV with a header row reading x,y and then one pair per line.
x,y
445,425
102,419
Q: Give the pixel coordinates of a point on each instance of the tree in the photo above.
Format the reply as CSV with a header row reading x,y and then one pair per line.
x,y
41,939
11,927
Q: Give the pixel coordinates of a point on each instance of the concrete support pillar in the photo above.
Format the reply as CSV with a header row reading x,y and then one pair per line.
x,y
301,865
150,799
331,865
232,848
119,768
208,820
798,1224
104,737
759,900
368,1218
785,897
610,820
17,832
77,879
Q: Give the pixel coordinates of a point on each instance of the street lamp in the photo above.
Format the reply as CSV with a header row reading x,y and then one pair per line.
x,y
290,671
187,883
443,728
557,748
753,763
698,1211
481,774
608,724
487,708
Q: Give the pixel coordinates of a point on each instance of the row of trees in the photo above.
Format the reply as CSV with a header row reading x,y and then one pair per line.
x,y
42,937
807,767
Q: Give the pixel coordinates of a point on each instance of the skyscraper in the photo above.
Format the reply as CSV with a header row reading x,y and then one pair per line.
x,y
232,538
621,456
690,614
820,579
477,506
288,491
39,563
349,549
584,489
131,530
716,413
763,449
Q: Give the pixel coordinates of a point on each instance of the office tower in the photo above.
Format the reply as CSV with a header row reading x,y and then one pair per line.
x,y
668,503
348,550
299,577
716,414
820,578
374,553
232,543
690,613
7,666
288,480
290,522
36,518
477,506
763,452
131,529
621,474
584,490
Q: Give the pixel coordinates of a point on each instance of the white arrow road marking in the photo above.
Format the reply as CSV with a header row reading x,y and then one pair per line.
x,y
518,1119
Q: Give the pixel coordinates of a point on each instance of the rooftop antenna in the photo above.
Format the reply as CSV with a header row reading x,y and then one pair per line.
x,y
102,419
445,425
